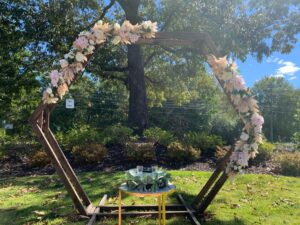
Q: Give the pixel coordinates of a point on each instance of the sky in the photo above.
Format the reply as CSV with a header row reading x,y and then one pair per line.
x,y
278,65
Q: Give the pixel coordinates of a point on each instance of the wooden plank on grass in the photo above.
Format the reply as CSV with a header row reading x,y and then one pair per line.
x,y
141,207
97,210
192,217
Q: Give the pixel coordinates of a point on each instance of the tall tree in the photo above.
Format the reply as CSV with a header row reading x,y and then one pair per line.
x,y
257,27
278,102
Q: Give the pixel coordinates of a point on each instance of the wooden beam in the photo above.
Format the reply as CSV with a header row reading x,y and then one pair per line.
x,y
191,211
97,210
142,213
214,191
221,166
141,207
60,171
199,40
67,168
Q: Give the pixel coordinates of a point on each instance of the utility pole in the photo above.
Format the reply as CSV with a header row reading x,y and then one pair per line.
x,y
271,109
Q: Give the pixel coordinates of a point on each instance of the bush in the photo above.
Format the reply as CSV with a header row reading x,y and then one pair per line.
x,y
180,153
79,136
89,153
139,152
296,140
159,135
117,134
265,151
39,159
289,163
200,140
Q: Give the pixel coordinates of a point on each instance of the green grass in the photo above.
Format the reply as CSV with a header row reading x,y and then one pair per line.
x,y
248,199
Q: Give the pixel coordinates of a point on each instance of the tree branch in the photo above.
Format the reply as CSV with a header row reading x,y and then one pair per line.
x,y
111,75
151,56
105,10
116,69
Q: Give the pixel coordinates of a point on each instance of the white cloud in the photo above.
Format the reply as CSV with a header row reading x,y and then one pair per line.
x,y
288,68
272,60
292,78
277,75
280,62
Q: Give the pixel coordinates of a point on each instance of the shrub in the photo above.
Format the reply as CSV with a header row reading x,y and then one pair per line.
x,y
289,163
117,134
139,152
89,153
265,151
80,136
39,159
296,140
200,140
180,153
159,135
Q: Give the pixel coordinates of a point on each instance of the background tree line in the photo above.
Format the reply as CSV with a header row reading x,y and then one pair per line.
x,y
174,91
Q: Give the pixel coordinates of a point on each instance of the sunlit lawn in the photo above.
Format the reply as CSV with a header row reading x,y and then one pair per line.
x,y
248,199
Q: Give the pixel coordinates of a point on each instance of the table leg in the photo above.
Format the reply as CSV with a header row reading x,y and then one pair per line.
x,y
120,207
164,209
159,209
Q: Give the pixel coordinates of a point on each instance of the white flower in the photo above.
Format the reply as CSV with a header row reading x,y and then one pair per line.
x,y
99,36
244,136
116,40
49,90
80,57
117,27
254,146
63,63
70,55
84,33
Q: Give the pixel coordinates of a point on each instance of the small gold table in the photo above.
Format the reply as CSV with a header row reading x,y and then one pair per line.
x,y
161,195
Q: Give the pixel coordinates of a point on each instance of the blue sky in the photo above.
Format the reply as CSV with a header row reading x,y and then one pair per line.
x,y
287,66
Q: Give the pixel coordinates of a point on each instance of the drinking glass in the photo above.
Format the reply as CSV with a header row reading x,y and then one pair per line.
x,y
154,168
139,169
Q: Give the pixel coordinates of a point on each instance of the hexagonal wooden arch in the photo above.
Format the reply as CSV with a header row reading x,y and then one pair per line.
x,y
40,119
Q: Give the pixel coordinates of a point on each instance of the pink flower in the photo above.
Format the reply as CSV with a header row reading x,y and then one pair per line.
x,y
243,158
257,120
54,76
68,74
133,38
238,83
62,89
81,43
48,97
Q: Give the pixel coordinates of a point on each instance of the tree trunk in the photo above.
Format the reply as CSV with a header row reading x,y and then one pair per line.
x,y
138,112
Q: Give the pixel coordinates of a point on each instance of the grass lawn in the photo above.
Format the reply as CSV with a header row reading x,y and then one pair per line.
x,y
248,199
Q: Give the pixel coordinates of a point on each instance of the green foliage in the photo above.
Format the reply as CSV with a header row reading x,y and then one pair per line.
x,y
89,153
117,134
159,135
265,151
200,140
289,163
79,136
278,101
296,140
177,152
39,159
139,152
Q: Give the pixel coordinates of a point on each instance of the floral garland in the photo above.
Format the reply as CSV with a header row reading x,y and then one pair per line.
x,y
84,46
234,86
232,82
